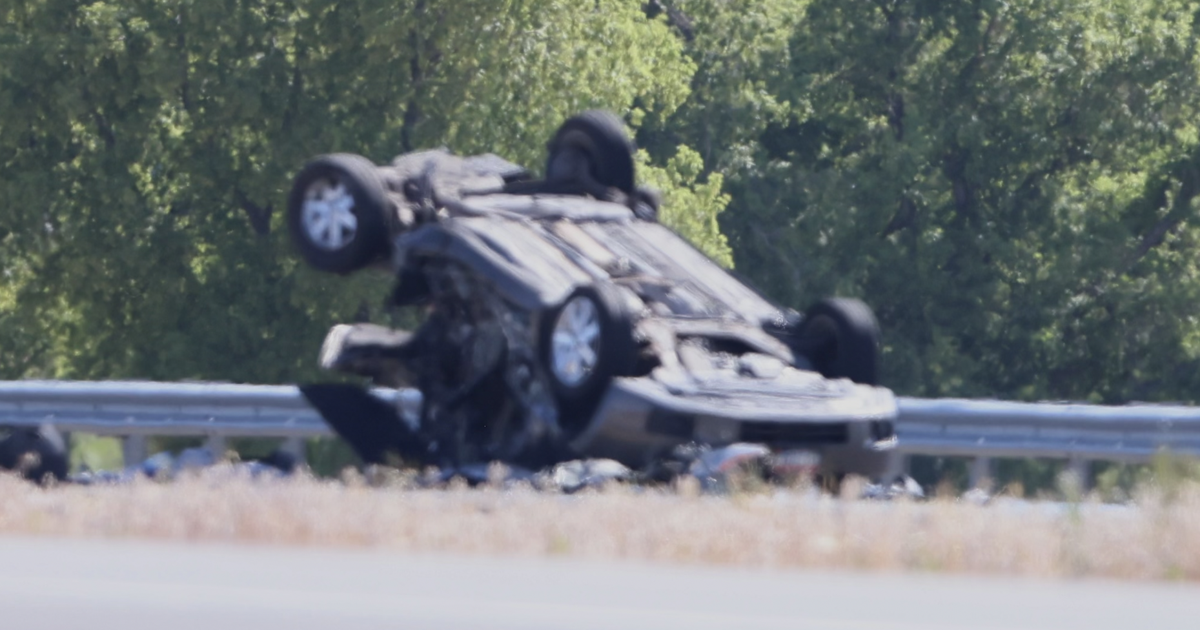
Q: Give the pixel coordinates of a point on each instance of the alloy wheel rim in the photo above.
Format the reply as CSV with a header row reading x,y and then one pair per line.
x,y
575,341
328,214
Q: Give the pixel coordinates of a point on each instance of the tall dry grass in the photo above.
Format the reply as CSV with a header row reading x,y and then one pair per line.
x,y
1157,537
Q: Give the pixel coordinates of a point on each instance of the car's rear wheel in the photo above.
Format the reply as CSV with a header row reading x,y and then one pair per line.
x,y
840,337
584,344
593,142
337,213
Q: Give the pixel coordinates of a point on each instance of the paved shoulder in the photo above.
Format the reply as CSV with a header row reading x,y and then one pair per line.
x,y
135,585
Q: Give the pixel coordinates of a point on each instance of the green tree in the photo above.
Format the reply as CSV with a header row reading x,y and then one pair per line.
x,y
146,146
1010,184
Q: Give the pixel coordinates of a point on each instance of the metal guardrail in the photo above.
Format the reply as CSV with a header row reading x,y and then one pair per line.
x,y
135,410
977,429
992,428
145,408
983,430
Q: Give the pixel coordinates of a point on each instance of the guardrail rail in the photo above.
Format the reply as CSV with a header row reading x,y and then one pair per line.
x,y
1079,433
977,429
134,410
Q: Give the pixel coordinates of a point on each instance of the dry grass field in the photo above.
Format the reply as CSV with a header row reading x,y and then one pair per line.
x,y
1156,536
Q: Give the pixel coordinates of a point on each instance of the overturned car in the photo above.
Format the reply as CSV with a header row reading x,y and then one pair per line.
x,y
562,321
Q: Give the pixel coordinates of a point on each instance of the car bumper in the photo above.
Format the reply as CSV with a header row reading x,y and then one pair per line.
x,y
639,419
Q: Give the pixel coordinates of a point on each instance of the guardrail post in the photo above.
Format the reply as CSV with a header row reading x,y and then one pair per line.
x,y
979,474
1082,469
295,447
216,446
133,449
898,465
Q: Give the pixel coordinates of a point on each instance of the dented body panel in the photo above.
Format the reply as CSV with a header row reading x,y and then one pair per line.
x,y
710,361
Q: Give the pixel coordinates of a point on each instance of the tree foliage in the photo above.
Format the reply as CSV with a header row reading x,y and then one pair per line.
x,y
146,145
1011,185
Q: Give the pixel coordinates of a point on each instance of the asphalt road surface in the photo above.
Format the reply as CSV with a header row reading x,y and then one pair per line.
x,y
84,585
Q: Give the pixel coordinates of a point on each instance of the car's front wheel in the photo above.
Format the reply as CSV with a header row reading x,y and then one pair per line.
x,y
337,213
585,343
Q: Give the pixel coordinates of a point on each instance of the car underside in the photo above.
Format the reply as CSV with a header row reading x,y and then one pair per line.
x,y
560,320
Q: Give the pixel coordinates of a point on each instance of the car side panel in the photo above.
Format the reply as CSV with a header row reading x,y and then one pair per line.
x,y
530,287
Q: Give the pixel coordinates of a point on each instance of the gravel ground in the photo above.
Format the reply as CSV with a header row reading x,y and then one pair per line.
x,y
1157,536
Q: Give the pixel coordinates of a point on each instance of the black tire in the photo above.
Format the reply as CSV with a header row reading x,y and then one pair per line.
x,y
600,136
37,454
369,238
615,354
840,337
